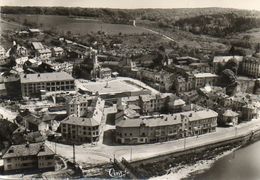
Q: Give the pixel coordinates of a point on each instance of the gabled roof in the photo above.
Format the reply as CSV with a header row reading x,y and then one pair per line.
x,y
80,121
33,149
37,45
230,113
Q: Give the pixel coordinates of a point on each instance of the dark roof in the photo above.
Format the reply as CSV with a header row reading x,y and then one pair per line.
x,y
22,150
31,118
80,121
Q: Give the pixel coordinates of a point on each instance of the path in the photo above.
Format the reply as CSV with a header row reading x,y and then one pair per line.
x,y
156,32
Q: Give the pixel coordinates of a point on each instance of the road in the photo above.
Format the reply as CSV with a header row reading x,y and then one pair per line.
x,y
102,153
156,32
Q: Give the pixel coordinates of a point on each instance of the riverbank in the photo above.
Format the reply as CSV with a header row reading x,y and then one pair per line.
x,y
188,170
183,162
178,167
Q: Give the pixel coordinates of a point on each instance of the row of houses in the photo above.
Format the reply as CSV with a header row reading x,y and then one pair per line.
x,y
164,127
151,103
46,53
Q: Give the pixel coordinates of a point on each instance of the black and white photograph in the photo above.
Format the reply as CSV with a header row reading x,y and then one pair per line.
x,y
130,89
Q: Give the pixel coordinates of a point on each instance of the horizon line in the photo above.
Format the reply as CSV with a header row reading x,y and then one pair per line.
x,y
149,8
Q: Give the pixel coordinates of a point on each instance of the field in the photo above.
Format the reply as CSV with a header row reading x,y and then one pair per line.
x,y
4,25
75,25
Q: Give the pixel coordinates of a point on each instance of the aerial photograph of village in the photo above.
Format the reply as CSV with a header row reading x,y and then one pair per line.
x,y
137,89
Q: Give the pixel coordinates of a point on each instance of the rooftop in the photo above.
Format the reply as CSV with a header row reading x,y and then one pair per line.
x,y
224,59
81,121
165,120
81,99
22,150
111,87
34,30
37,45
57,49
202,75
46,77
45,50
230,113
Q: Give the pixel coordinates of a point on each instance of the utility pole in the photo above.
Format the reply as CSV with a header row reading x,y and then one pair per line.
x,y
74,158
131,154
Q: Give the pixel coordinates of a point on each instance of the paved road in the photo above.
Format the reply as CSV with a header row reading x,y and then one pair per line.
x,y
102,153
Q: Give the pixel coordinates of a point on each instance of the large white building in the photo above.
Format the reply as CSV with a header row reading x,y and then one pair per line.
x,y
85,116
32,84
80,104
201,79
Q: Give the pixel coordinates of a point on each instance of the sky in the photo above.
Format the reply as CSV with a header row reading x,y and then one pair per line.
x,y
131,4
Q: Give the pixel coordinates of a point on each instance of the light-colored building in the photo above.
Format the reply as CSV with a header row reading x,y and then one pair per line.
x,y
230,117
44,53
105,73
249,112
28,156
2,52
37,46
80,129
80,104
85,116
34,31
21,51
57,51
32,84
201,79
41,51
150,129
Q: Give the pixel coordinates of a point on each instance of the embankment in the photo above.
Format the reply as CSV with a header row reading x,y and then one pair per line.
x,y
159,165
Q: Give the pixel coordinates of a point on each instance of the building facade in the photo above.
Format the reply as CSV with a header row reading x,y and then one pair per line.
x,y
32,84
85,116
165,127
28,156
80,104
201,79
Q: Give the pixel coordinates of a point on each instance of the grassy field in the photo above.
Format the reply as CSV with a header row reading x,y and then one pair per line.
x,y
75,25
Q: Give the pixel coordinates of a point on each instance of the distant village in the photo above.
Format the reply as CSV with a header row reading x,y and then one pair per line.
x,y
73,94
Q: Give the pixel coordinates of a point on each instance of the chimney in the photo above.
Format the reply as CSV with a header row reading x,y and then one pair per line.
x,y
27,144
24,76
39,75
42,147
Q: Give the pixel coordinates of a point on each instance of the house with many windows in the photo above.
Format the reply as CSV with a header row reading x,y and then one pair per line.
x,y
85,116
28,156
33,84
150,129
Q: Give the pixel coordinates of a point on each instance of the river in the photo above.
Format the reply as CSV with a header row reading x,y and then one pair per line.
x,y
243,164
